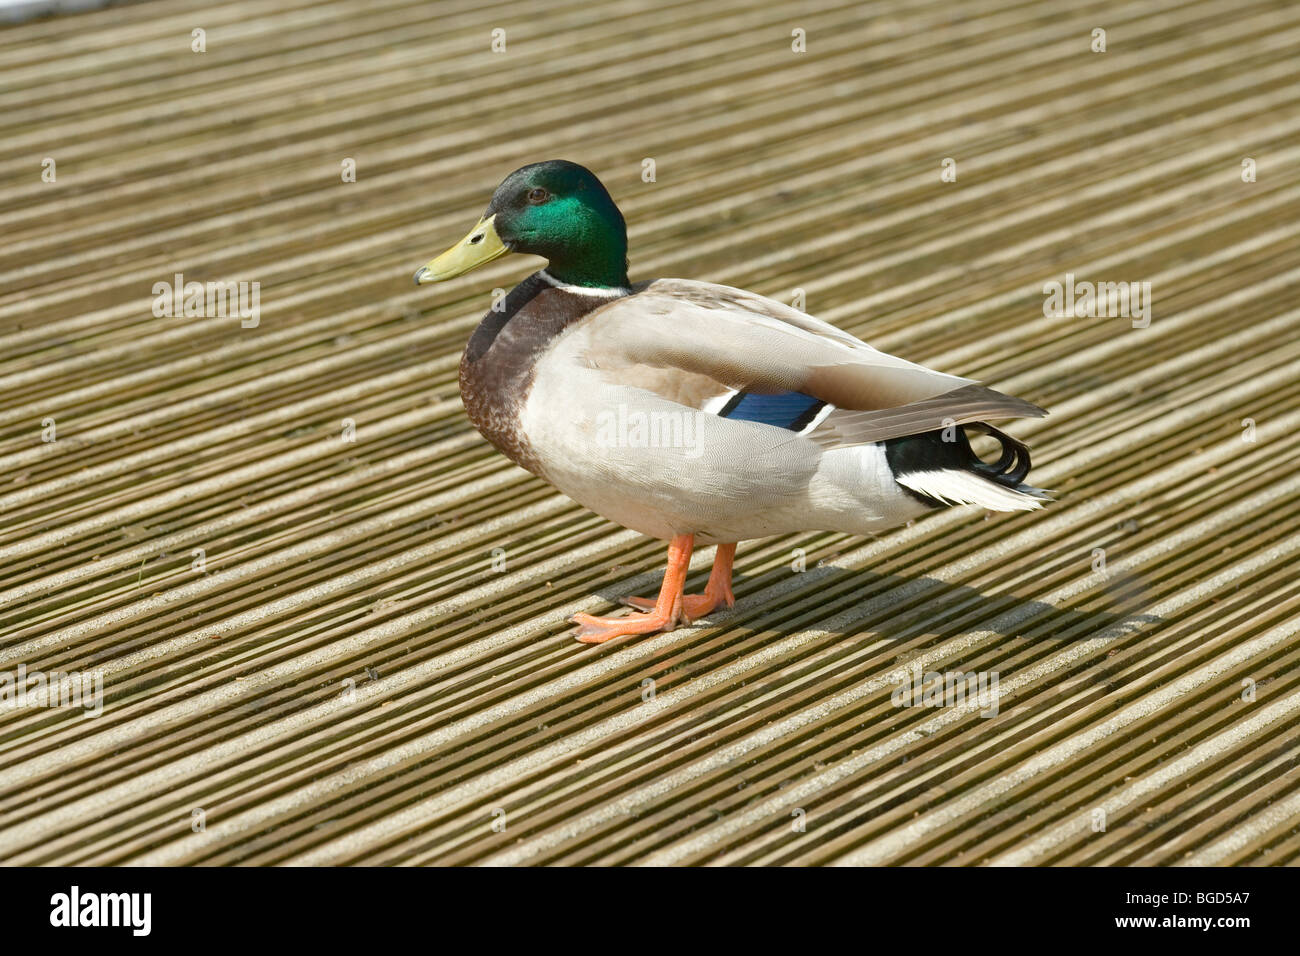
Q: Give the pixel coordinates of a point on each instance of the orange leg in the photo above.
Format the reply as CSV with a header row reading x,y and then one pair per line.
x,y
717,591
667,610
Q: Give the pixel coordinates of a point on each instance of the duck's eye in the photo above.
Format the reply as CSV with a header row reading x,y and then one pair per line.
x,y
538,196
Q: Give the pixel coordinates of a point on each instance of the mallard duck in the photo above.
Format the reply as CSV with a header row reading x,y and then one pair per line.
x,y
701,414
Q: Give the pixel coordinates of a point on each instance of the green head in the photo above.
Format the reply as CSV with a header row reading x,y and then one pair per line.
x,y
556,209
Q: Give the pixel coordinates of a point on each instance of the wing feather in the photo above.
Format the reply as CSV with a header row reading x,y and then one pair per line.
x,y
745,341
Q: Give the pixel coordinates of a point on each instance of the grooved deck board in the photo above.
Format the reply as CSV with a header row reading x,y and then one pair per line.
x,y
350,679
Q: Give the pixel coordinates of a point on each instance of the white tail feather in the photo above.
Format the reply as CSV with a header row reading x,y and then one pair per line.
x,y
955,487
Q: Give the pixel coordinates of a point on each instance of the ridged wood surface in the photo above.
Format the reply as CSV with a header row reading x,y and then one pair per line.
x,y
355,678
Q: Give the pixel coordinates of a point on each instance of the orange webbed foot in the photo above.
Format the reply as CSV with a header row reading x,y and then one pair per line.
x,y
694,606
673,606
716,592
598,630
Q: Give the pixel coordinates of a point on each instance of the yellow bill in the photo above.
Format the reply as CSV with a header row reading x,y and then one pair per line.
x,y
480,246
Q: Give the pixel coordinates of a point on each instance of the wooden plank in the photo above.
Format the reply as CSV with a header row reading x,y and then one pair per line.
x,y
349,680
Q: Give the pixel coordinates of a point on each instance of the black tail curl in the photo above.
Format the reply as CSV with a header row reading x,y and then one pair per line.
x,y
1012,466
930,451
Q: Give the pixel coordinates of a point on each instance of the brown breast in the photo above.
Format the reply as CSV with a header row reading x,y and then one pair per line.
x,y
497,369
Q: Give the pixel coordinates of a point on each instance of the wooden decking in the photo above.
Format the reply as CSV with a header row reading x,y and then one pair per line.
x,y
316,650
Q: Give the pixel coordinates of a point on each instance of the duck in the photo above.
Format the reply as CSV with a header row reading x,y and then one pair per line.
x,y
700,414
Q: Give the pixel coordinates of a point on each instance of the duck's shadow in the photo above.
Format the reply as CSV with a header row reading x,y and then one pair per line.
x,y
861,601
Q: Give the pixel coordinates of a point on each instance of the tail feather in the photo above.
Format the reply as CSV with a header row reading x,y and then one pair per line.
x,y
1012,467
940,468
